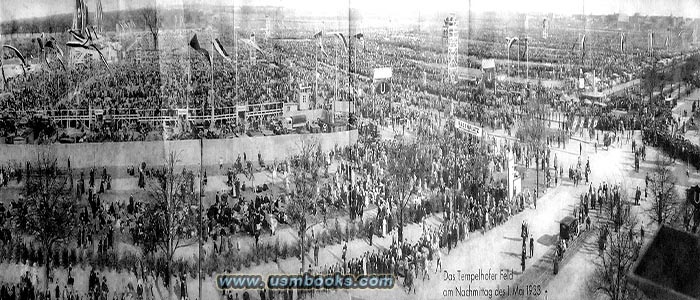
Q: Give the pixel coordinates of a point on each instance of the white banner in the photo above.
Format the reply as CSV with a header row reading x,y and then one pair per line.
x,y
468,128
382,73
488,63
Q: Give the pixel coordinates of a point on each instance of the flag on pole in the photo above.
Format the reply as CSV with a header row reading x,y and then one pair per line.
x,y
526,48
17,53
221,50
583,46
651,41
511,41
342,38
622,42
50,44
78,36
194,43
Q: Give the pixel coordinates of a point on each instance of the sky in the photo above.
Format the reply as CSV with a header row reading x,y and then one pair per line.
x,y
19,9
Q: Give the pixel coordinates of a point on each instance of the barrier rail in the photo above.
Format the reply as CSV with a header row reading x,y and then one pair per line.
x,y
161,115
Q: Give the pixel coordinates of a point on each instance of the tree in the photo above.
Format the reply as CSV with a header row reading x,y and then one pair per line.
x,y
48,212
168,219
651,78
150,17
404,164
305,190
663,190
610,276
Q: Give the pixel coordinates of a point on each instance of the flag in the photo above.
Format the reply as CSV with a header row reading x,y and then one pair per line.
x,y
318,35
17,53
102,57
361,37
526,48
666,42
651,41
76,44
40,41
50,44
78,36
622,42
511,41
320,45
252,44
583,46
221,50
342,38
194,43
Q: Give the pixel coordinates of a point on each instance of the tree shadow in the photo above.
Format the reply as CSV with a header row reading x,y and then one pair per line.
x,y
513,239
548,240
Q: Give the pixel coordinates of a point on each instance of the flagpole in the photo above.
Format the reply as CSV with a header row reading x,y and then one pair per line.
x,y
211,63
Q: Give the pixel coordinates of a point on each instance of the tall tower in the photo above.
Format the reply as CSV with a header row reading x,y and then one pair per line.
x,y
99,17
450,33
80,16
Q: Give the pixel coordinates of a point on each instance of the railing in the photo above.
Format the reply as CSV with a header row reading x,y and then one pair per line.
x,y
162,115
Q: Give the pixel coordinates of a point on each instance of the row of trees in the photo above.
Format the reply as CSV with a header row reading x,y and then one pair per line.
x,y
62,22
48,213
610,277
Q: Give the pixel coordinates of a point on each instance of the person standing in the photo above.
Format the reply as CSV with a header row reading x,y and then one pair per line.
x,y
532,245
316,250
438,255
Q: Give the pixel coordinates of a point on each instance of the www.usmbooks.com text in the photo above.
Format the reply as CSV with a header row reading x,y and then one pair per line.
x,y
305,281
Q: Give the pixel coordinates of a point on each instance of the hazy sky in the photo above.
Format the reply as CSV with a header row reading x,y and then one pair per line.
x,y
688,8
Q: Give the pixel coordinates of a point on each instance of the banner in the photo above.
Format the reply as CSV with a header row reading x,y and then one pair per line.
x,y
468,128
382,73
488,66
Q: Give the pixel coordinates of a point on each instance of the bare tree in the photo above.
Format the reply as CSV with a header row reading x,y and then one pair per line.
x,y
665,198
168,219
48,212
150,17
302,201
403,166
610,276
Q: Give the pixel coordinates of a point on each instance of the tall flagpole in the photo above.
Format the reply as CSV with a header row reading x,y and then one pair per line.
x,y
211,63
336,94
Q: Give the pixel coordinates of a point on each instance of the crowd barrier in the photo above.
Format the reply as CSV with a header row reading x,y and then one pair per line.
x,y
122,154
161,115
